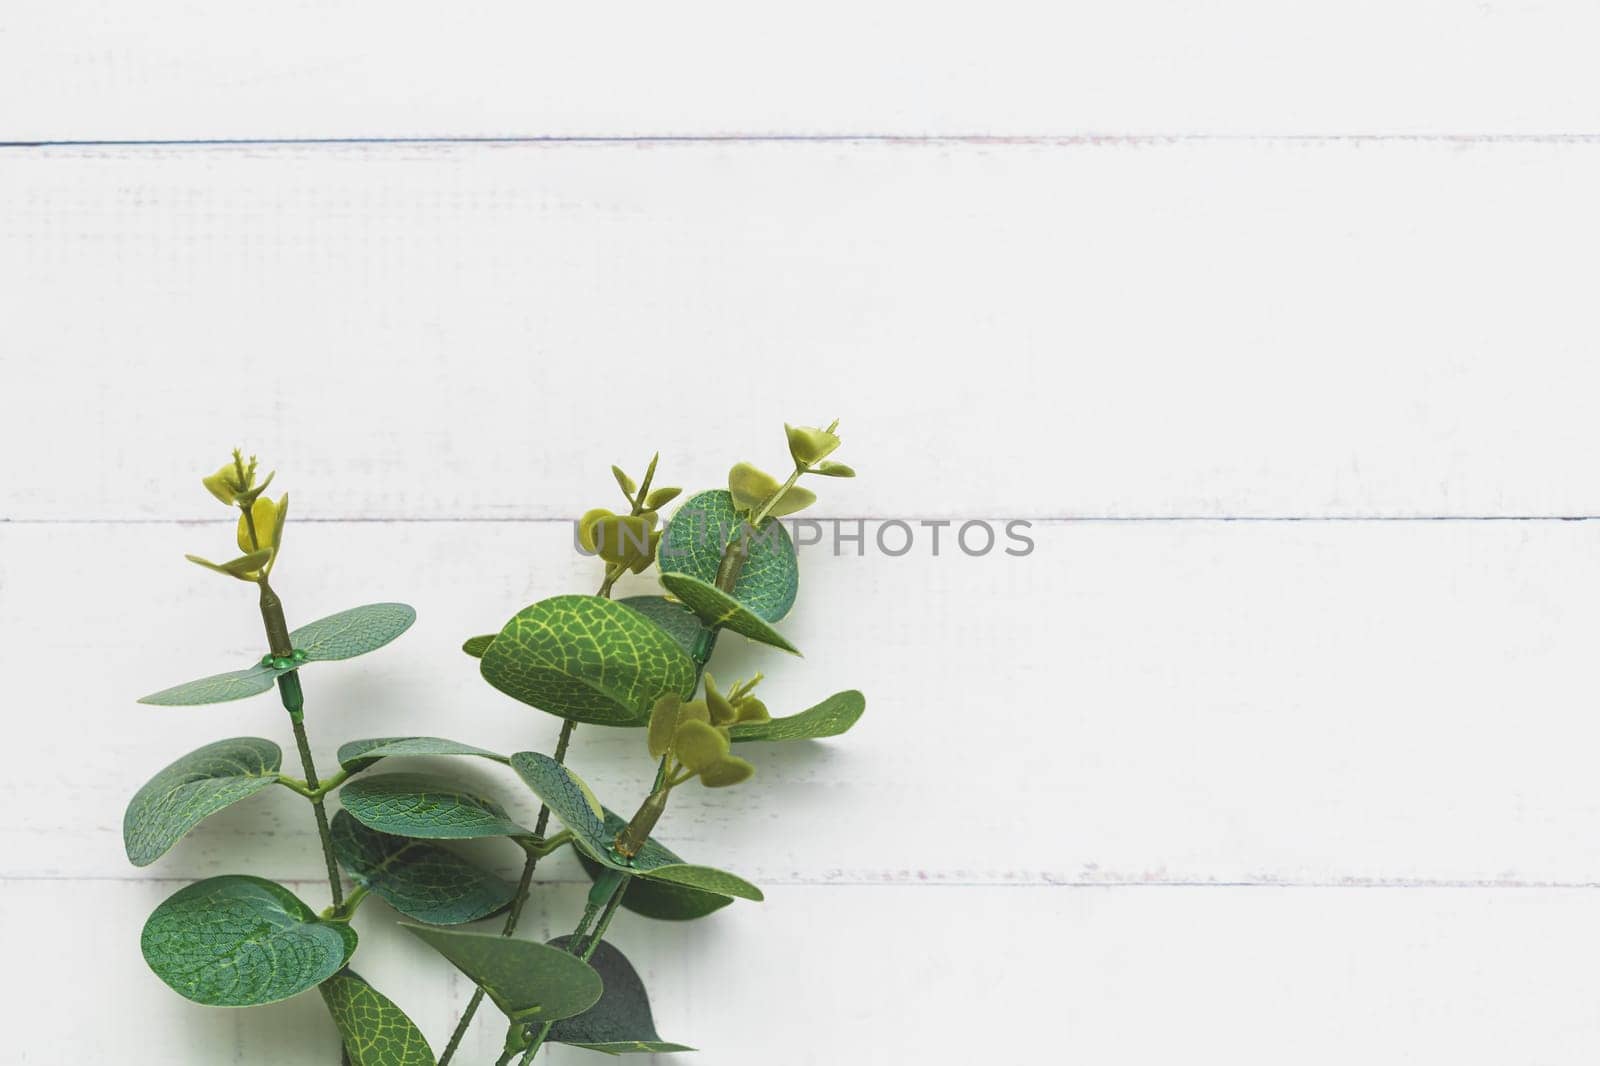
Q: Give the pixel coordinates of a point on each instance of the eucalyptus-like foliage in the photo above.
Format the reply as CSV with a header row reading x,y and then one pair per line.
x,y
639,662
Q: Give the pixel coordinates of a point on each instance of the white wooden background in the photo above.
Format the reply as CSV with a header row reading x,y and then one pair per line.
x,y
1276,319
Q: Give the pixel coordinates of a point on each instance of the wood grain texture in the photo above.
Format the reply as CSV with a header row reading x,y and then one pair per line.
x,y
1211,329
358,68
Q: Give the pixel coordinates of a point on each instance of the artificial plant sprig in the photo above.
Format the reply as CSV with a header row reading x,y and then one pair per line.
x,y
241,940
623,542
727,563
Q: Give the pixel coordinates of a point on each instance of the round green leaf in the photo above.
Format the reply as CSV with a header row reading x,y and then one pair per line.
x,y
353,632
415,805
375,1031
587,659
719,610
360,754
694,540
620,1022
829,718
195,787
530,981
238,941
420,880
338,636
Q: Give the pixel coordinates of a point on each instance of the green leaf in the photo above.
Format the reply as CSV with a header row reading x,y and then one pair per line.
x,y
529,981
338,636
693,543
420,880
218,688
354,632
375,1031
360,754
829,718
620,1022
587,659
415,805
195,787
675,619
698,745
717,609
661,900
476,646
244,564
239,941
551,782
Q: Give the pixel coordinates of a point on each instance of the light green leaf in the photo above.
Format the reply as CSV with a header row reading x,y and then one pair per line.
x,y
243,565
620,1022
551,782
238,941
675,619
375,1031
587,659
694,540
353,632
717,609
420,880
338,636
829,718
195,787
476,646
530,981
360,754
218,688
415,805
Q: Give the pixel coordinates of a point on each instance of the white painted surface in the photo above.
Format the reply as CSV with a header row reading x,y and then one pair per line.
x,y
98,69
1314,790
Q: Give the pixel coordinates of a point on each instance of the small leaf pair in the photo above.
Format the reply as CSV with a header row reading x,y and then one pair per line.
x,y
696,740
654,499
260,528
754,489
624,540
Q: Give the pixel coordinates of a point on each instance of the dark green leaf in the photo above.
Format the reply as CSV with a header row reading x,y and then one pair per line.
x,y
528,980
360,754
375,1031
661,900
829,718
338,636
198,785
716,609
551,782
238,941
353,632
694,540
415,805
677,620
620,1022
588,659
476,646
420,880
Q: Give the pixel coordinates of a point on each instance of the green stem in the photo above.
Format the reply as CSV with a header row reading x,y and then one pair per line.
x,y
517,902
316,804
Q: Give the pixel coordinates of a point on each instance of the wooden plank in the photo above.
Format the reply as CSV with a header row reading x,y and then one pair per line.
x,y
477,332
912,974
1305,703
356,68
